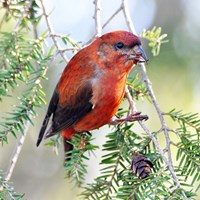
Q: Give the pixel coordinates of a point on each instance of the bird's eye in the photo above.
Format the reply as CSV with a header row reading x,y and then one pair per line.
x,y
119,45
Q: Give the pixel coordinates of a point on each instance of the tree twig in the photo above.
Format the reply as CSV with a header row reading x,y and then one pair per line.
x,y
128,17
97,18
104,25
52,33
132,104
111,17
75,49
159,112
142,124
16,154
168,161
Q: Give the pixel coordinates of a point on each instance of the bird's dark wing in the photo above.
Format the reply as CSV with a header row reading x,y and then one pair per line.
x,y
68,113
71,99
77,107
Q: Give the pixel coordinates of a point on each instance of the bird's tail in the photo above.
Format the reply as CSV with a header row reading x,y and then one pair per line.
x,y
43,128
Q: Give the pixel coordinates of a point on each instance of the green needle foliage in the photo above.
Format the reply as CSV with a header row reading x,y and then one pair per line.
x,y
7,191
25,12
75,160
24,60
155,39
26,63
117,181
188,151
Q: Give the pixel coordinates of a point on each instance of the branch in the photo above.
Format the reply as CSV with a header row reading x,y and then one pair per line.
x,y
111,17
132,104
160,114
16,154
127,16
142,124
97,18
74,49
20,143
104,25
52,33
168,161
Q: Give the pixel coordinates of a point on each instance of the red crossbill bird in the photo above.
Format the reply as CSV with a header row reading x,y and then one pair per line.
x,y
92,86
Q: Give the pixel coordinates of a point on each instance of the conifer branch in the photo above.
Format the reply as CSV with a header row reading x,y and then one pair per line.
x,y
16,154
168,161
164,127
117,179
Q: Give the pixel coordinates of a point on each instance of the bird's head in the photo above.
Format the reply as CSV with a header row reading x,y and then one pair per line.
x,y
121,50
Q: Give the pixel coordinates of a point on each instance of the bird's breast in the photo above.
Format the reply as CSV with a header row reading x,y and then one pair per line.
x,y
108,92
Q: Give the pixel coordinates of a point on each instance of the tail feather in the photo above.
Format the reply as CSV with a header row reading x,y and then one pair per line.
x,y
51,110
42,130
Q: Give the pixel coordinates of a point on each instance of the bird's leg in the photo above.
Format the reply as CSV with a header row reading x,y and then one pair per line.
x,y
135,115
131,118
84,141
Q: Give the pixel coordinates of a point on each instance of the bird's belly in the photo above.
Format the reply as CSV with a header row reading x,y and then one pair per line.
x,y
101,114
107,96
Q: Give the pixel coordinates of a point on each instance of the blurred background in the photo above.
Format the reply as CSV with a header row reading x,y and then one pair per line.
x,y
174,74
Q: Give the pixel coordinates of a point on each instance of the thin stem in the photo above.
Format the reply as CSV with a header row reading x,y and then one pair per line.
x,y
132,104
97,18
164,126
16,154
20,143
159,112
127,16
111,17
155,141
154,101
104,25
75,49
52,33
114,173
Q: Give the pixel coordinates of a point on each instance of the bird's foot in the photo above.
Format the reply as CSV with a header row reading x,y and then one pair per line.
x,y
133,117
84,140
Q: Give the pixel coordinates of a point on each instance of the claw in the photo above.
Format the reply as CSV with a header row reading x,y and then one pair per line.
x,y
133,117
136,117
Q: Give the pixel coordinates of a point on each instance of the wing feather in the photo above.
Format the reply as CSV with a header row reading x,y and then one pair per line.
x,y
67,115
71,99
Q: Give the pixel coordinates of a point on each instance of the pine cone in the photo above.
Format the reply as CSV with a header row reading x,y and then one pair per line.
x,y
141,166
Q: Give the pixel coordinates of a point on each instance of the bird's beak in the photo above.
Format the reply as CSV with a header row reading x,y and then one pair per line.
x,y
139,55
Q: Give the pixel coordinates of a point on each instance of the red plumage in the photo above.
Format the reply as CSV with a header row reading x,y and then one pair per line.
x,y
92,85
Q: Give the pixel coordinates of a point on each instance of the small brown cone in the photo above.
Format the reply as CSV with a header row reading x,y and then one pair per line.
x,y
141,166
